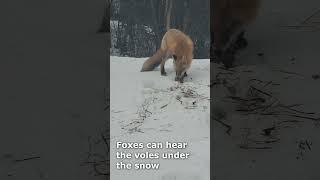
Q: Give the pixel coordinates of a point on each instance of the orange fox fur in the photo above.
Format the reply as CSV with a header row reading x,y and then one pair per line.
x,y
176,44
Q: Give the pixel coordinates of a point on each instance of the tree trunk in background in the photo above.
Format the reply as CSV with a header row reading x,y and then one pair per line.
x,y
155,13
186,18
168,13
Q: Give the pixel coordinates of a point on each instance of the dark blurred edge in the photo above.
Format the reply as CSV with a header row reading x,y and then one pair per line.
x,y
105,28
105,25
211,96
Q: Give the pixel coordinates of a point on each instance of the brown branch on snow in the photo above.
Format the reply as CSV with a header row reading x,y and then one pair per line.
x,y
163,106
179,99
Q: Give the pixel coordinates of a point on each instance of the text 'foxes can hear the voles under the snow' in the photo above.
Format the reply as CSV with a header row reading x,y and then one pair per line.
x,y
147,156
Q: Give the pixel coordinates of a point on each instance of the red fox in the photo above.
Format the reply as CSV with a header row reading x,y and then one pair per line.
x,y
229,19
176,44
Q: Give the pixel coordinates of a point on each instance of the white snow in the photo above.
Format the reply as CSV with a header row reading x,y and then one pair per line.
x,y
148,107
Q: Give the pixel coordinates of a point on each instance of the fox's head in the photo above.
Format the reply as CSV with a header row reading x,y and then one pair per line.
x,y
181,65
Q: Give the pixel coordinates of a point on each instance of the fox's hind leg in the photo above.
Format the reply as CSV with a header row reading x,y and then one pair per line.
x,y
162,70
163,61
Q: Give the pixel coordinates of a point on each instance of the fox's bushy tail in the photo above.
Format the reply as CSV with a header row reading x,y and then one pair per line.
x,y
154,61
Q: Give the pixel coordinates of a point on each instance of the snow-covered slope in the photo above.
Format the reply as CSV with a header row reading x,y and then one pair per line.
x,y
147,107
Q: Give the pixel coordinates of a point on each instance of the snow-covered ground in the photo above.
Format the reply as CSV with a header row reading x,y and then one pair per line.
x,y
147,107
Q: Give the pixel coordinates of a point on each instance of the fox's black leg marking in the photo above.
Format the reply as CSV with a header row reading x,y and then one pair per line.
x,y
174,57
163,73
180,78
162,70
185,74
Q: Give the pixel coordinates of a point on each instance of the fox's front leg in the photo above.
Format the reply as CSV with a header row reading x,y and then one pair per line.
x,y
180,77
